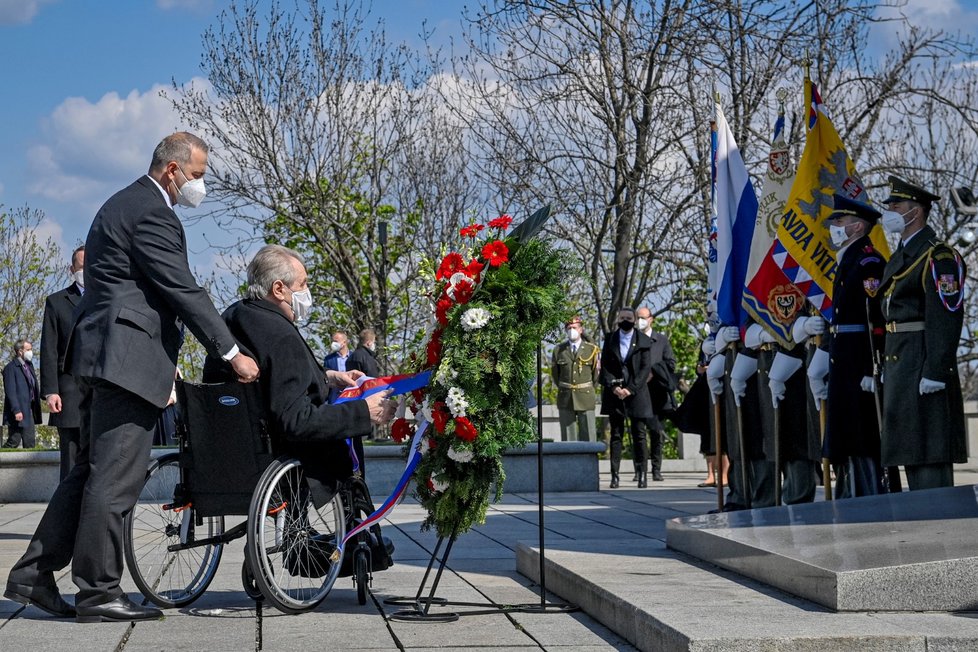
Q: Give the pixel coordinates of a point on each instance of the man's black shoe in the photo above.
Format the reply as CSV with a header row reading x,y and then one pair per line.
x,y
46,598
120,610
657,477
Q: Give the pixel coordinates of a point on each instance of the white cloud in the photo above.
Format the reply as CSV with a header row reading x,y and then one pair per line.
x,y
196,6
20,12
89,150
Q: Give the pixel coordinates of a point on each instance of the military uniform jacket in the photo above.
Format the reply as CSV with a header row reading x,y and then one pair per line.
x,y
796,440
922,292
574,374
852,428
633,372
58,315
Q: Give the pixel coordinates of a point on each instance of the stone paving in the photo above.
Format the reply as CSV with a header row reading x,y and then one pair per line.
x,y
611,537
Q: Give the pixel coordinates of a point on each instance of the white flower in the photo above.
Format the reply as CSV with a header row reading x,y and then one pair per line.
x,y
474,319
456,402
460,454
445,375
426,409
438,483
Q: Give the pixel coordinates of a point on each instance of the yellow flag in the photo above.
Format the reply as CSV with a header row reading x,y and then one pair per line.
x,y
802,249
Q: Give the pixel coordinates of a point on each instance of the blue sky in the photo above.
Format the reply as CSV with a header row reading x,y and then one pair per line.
x,y
81,111
81,79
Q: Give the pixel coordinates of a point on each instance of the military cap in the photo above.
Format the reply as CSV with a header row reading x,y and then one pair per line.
x,y
901,190
845,206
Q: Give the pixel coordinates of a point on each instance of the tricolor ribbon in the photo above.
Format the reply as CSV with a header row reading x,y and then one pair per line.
x,y
401,384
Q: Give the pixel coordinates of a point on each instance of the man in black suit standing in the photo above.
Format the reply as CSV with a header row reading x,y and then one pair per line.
x,y
58,388
21,402
122,350
364,358
626,364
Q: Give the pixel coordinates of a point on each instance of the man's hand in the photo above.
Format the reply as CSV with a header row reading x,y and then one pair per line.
x,y
622,393
245,368
19,416
54,403
381,409
343,379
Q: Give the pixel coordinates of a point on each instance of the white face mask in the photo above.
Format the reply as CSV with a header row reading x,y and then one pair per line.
x,y
643,323
573,335
370,346
79,277
893,222
838,235
301,305
192,192
28,356
335,347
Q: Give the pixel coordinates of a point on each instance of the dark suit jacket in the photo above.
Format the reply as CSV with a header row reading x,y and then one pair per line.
x,y
662,381
330,363
293,387
364,360
634,371
18,395
58,316
138,290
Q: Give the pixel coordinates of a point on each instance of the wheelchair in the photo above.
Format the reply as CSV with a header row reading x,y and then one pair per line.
x,y
226,466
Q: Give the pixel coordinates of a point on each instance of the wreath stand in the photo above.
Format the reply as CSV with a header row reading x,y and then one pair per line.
x,y
420,604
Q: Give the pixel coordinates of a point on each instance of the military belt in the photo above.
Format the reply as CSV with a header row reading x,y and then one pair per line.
x,y
904,326
564,385
847,328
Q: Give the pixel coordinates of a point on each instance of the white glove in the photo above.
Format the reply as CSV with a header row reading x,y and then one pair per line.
x,y
798,333
743,368
778,389
757,335
814,326
868,384
709,347
818,369
726,335
782,368
714,374
928,386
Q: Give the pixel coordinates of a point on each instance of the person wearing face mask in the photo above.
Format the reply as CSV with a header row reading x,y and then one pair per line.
x,y
364,358
295,389
923,292
339,352
59,389
574,368
662,384
122,351
626,364
21,400
855,338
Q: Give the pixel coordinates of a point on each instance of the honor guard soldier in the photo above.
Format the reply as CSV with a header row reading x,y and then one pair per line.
x,y
575,368
852,437
923,292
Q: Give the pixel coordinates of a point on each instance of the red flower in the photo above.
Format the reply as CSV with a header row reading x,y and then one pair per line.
x,y
464,429
471,230
434,349
452,263
439,416
473,269
496,253
441,310
431,485
501,222
418,395
401,430
463,292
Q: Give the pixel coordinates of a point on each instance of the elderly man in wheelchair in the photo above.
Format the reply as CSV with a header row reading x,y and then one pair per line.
x,y
299,506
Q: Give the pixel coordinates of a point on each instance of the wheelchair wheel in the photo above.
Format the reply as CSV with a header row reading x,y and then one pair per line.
x,y
360,575
169,579
248,581
292,544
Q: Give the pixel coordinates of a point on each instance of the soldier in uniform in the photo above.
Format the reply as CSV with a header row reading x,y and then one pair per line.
x,y
852,441
922,286
575,368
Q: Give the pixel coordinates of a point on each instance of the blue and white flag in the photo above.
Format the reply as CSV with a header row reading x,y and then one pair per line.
x,y
736,213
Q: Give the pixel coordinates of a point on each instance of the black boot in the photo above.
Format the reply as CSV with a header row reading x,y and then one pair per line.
x,y
642,482
614,479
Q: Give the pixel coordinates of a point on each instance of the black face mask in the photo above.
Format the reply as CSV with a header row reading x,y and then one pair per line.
x,y
626,325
